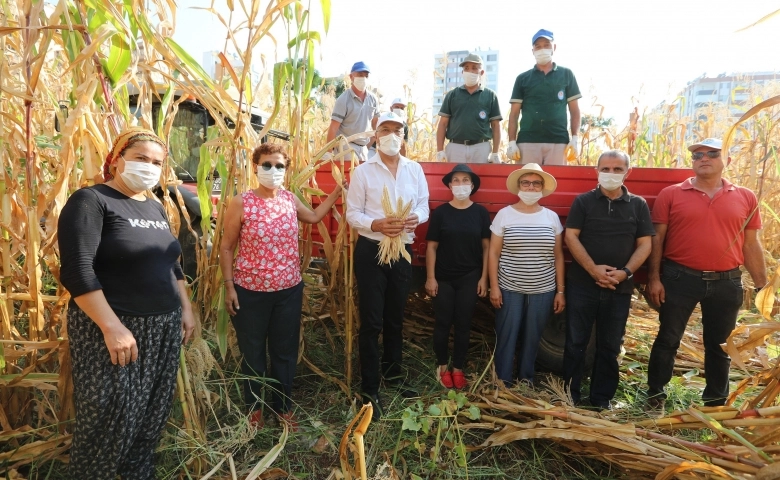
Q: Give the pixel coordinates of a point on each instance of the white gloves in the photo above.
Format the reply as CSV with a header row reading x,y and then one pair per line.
x,y
575,144
512,151
494,158
441,156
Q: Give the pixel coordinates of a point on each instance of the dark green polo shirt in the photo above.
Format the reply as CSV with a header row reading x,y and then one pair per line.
x,y
470,114
608,231
544,99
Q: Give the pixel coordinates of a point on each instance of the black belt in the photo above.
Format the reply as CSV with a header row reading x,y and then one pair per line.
x,y
707,275
467,142
371,240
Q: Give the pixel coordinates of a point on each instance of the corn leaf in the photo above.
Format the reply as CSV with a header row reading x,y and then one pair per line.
x,y
314,36
119,58
163,111
204,186
223,319
325,5
191,63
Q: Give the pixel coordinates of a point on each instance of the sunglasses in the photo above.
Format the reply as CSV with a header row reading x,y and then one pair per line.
x,y
711,154
279,166
528,183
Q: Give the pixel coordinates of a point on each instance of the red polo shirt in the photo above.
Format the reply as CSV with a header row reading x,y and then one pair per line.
x,y
706,233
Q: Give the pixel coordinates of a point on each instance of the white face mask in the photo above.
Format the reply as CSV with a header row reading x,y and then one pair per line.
x,y
272,178
390,144
461,192
400,112
529,198
611,181
470,79
360,83
543,56
140,176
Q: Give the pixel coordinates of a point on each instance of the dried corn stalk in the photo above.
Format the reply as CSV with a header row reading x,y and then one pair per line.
x,y
391,248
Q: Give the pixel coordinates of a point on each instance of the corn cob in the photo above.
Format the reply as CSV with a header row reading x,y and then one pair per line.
x,y
392,248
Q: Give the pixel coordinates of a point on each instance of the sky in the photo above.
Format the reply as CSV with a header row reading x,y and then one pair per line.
x,y
623,54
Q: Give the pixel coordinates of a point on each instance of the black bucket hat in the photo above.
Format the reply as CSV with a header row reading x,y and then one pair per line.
x,y
462,167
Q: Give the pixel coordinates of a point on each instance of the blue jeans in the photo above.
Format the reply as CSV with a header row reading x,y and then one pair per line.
x,y
720,303
523,315
586,305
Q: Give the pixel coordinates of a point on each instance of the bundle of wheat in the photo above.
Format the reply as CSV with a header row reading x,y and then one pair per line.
x,y
391,248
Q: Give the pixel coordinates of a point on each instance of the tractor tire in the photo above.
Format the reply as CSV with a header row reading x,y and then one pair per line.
x,y
549,358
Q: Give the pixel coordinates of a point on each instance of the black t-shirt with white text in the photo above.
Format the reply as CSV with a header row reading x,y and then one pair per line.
x,y
122,246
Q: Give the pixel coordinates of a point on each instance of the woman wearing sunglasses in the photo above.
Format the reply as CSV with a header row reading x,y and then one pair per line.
x,y
525,268
263,285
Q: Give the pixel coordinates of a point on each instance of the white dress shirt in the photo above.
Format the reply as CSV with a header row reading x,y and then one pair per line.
x,y
364,198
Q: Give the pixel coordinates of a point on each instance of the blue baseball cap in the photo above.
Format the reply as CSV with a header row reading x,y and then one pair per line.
x,y
542,34
360,67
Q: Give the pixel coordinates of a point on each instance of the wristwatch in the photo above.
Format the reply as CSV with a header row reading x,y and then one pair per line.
x,y
629,274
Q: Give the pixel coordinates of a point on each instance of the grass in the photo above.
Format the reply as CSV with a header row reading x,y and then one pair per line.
x,y
419,437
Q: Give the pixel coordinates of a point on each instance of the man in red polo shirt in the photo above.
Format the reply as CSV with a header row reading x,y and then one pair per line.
x,y
706,227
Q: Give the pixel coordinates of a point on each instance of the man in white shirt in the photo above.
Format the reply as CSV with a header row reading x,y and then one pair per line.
x,y
383,288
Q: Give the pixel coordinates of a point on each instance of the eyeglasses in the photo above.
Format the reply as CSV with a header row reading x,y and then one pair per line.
x,y
279,166
535,183
699,155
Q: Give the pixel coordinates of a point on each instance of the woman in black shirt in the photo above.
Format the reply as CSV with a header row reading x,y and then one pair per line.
x,y
456,262
128,312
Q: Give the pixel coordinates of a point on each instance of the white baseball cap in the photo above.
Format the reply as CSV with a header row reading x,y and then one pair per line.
x,y
390,117
715,143
398,100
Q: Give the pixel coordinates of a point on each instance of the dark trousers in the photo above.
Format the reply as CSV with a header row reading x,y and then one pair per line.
x,y
275,318
121,411
382,291
586,305
720,303
454,306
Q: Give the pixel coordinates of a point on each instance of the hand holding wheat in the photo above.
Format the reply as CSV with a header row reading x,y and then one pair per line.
x,y
393,247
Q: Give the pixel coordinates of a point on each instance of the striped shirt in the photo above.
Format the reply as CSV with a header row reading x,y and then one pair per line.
x,y
527,261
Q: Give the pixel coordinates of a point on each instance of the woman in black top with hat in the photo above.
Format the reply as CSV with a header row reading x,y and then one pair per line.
x,y
456,261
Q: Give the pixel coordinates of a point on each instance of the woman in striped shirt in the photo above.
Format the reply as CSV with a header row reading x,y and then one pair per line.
x,y
525,268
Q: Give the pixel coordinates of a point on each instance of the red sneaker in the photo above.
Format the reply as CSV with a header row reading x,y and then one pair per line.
x,y
290,420
256,419
445,378
459,380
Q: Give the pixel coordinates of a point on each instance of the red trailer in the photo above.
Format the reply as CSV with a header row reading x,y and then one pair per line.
x,y
572,181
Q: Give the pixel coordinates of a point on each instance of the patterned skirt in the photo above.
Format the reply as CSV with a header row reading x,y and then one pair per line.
x,y
121,411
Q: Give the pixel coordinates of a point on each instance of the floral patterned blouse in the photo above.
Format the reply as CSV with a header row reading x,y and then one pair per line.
x,y
268,258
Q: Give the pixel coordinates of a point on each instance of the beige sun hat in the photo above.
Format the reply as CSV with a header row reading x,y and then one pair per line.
x,y
549,181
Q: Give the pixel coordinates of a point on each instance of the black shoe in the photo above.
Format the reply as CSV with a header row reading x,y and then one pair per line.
x,y
403,387
378,412
587,404
654,406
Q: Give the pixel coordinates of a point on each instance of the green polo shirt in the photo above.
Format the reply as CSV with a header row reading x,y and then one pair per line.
x,y
470,114
544,99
